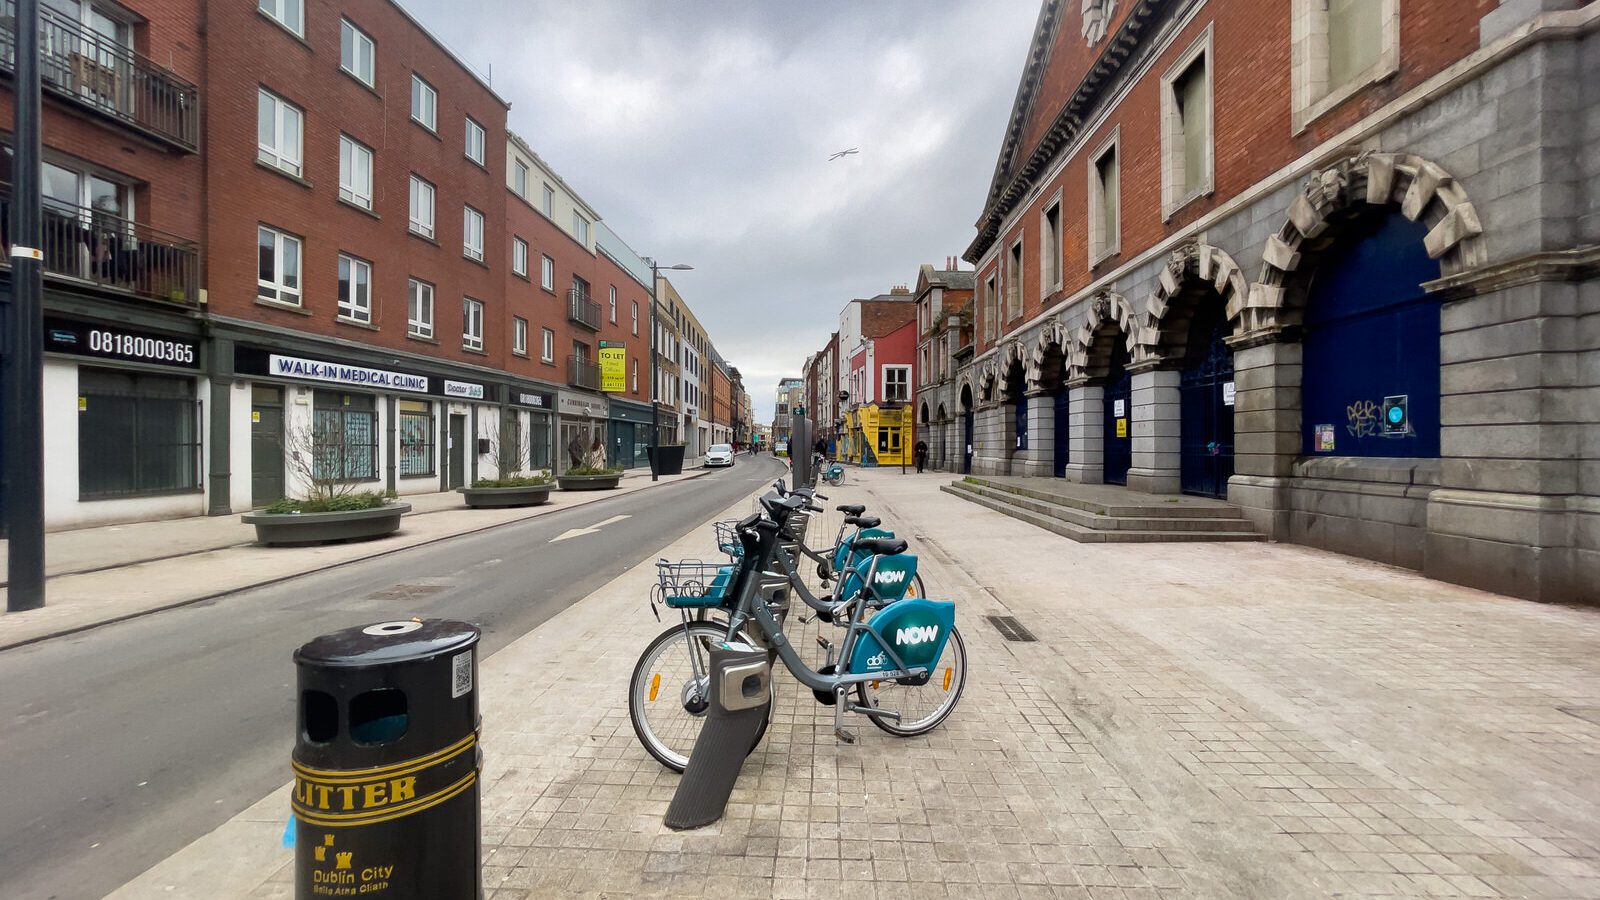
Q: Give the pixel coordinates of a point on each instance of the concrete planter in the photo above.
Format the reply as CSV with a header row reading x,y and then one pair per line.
x,y
326,527
589,482
497,497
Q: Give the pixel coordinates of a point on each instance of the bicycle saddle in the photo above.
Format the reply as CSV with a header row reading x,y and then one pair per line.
x,y
881,546
851,509
863,521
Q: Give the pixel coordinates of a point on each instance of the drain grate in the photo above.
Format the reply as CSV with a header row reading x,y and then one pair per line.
x,y
1011,629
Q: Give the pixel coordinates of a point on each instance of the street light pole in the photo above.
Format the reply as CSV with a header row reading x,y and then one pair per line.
x,y
655,370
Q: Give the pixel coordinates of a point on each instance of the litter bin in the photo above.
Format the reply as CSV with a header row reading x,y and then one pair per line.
x,y
666,459
386,763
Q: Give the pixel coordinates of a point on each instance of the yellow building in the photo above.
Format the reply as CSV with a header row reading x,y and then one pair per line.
x,y
878,435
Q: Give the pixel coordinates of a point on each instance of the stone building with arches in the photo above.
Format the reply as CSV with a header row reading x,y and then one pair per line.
x,y
1337,265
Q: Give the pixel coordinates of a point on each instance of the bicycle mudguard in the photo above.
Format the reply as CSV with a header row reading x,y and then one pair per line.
x,y
841,556
891,581
916,629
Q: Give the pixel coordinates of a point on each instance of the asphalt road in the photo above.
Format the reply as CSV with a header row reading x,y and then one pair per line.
x,y
123,744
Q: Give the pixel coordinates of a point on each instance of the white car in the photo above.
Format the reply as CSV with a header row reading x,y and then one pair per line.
x,y
719,455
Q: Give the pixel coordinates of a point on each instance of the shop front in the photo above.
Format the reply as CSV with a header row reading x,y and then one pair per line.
x,y
629,443
582,421
534,412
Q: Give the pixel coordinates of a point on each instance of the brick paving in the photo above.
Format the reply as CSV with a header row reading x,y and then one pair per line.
x,y
1195,720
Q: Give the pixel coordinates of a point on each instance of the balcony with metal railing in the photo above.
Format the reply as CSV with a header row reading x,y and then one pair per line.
x,y
97,72
583,373
89,246
582,310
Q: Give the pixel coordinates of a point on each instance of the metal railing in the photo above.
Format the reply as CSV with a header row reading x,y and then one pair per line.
x,y
583,373
88,67
110,251
582,310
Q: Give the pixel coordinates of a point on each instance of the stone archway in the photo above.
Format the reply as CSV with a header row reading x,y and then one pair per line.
x,y
1106,338
968,417
1111,318
1050,441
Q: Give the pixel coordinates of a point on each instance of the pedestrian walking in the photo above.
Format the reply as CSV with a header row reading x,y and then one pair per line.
x,y
921,452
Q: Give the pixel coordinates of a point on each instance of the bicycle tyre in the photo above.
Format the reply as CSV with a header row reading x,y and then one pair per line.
x,y
673,752
867,695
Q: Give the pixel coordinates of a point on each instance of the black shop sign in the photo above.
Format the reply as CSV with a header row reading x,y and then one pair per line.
x,y
115,342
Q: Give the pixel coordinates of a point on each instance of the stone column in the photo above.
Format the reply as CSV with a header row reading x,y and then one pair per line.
x,y
1086,405
992,439
1266,430
1039,459
1155,423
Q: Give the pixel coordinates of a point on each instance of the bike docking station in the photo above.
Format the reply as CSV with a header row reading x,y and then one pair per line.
x,y
740,701
386,763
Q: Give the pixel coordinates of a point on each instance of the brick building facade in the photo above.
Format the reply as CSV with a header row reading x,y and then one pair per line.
x,y
1335,263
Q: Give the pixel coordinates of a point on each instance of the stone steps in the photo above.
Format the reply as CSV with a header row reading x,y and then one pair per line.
x,y
1088,522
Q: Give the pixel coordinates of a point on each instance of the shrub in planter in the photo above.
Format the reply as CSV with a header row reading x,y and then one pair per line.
x,y
333,509
590,478
515,490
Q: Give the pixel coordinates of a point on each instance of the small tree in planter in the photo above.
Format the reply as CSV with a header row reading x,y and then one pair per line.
x,y
333,509
512,487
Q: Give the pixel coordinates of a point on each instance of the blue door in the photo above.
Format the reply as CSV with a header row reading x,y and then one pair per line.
x,y
1118,417
1063,431
1022,421
1205,393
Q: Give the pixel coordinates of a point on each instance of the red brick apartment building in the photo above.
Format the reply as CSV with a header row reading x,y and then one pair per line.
x,y
290,224
1329,261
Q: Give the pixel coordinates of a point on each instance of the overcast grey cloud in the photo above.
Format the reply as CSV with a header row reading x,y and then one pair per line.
x,y
701,132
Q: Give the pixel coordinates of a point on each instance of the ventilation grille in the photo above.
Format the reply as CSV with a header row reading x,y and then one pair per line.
x,y
1011,629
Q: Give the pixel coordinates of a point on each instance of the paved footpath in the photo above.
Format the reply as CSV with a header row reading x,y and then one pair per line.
x,y
1240,720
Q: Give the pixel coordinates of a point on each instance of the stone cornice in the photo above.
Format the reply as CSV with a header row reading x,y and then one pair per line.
x,y
1580,264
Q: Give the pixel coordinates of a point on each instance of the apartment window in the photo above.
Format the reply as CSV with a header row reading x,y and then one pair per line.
x,y
580,228
1338,47
475,142
1186,128
471,323
519,335
613,304
991,311
138,434
1049,251
355,289
291,14
547,345
1105,233
278,277
419,315
1014,281
472,233
356,52
634,374
416,438
421,207
635,318
547,273
278,132
519,179
355,172
897,383
549,202
519,256
424,103
344,436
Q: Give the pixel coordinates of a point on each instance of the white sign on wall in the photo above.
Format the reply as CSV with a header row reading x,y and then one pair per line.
x,y
312,370
1227,393
1117,407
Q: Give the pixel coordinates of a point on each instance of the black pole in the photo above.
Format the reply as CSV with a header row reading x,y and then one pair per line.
x,y
655,384
24,398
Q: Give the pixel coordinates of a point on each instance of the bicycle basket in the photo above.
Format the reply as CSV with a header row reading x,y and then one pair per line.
x,y
728,538
690,583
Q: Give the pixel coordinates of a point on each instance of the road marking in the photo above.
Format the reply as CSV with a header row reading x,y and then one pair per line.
x,y
575,532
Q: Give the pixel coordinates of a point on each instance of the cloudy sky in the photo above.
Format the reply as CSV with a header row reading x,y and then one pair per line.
x,y
701,131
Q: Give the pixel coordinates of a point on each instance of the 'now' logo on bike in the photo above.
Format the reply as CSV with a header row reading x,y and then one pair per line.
x,y
916,634
890,577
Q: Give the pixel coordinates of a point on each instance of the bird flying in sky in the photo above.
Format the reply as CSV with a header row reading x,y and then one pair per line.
x,y
843,153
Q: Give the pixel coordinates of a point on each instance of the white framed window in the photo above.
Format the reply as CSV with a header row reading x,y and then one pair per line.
x,y
548,202
580,228
279,124
547,346
355,172
635,318
991,310
547,273
519,335
1049,250
424,103
421,207
419,309
475,141
519,256
357,53
613,304
1186,150
1105,220
355,289
1337,47
291,14
472,233
634,374
278,272
471,323
1013,280
519,179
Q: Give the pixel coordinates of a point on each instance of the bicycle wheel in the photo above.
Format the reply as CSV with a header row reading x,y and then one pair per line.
x,y
666,701
916,589
921,706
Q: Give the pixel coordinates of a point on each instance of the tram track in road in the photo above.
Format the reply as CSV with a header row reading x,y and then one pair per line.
x,y
126,742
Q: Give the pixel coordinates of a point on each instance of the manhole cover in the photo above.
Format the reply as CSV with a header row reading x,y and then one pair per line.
x,y
1011,629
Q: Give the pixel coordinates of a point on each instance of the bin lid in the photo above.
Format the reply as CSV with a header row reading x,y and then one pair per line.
x,y
387,642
